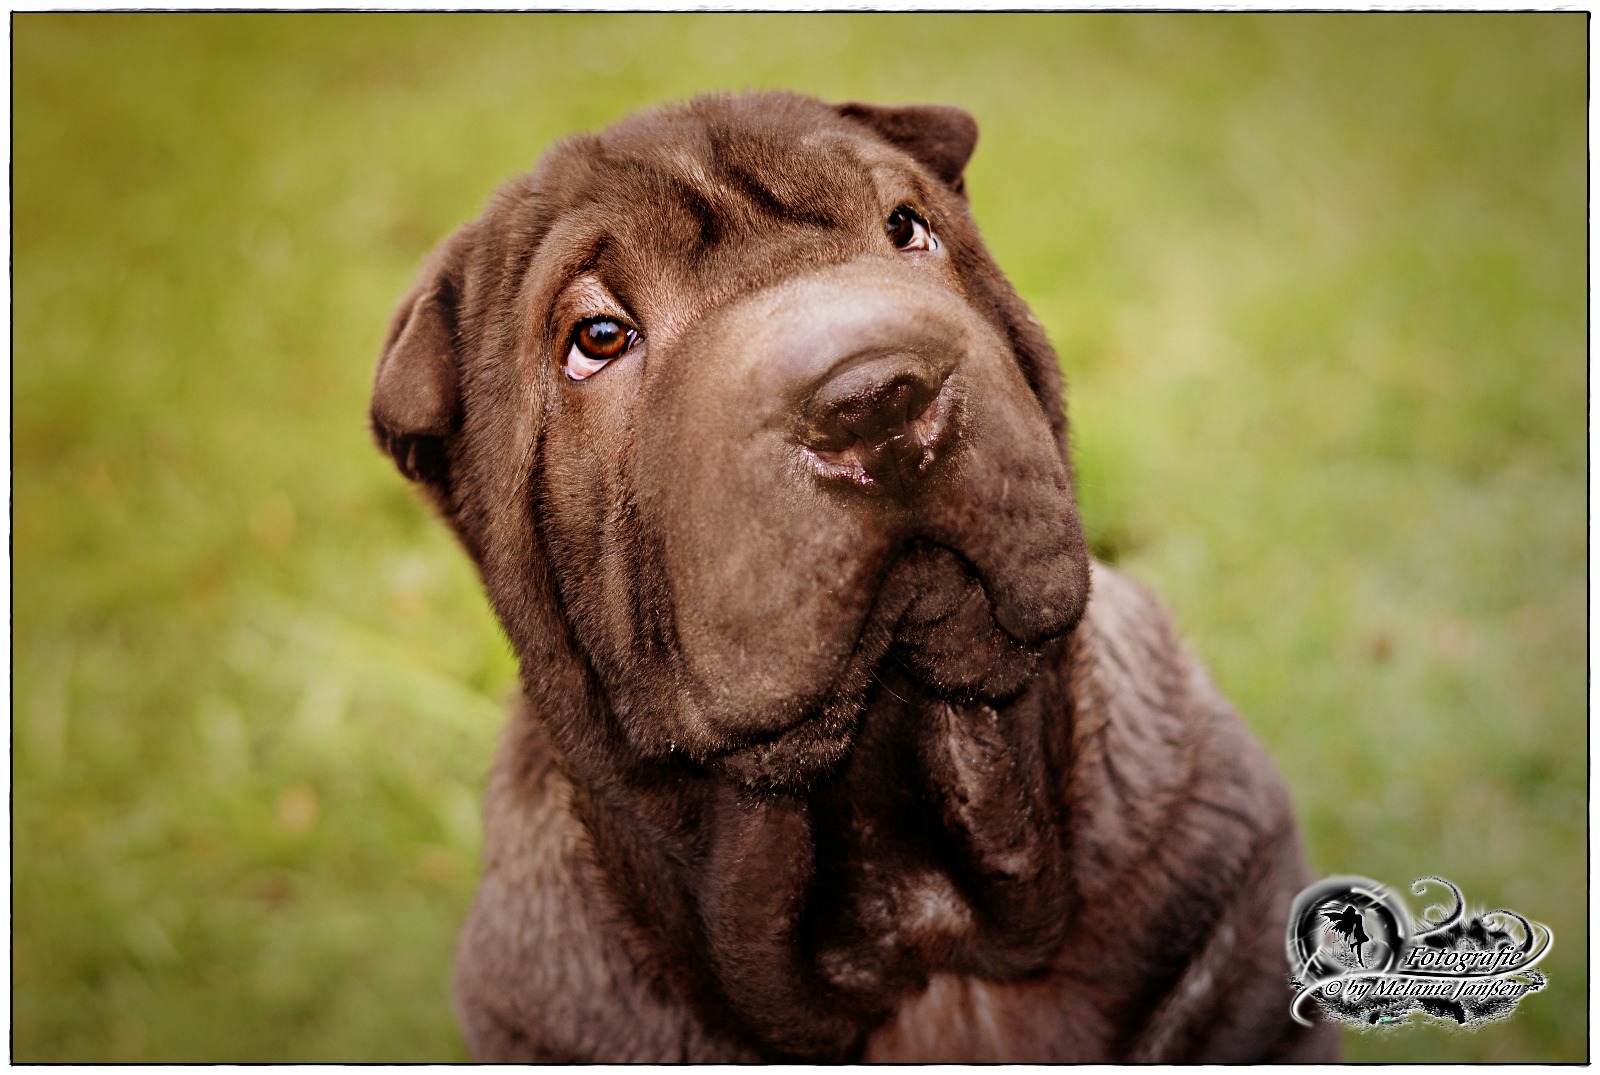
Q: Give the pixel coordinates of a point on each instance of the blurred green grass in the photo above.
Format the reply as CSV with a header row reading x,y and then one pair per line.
x,y
1319,288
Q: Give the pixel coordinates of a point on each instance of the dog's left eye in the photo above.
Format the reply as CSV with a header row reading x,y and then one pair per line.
x,y
908,231
595,342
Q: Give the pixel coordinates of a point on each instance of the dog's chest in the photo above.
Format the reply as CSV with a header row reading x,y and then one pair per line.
x,y
906,922
967,1020
891,920
930,858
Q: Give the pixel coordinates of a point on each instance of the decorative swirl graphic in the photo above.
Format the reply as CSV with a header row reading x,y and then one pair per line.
x,y
1451,917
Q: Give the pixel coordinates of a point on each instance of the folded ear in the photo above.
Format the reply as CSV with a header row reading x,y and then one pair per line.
x,y
940,137
414,399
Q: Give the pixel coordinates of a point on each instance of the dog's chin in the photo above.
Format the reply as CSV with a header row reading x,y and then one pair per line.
x,y
798,757
936,637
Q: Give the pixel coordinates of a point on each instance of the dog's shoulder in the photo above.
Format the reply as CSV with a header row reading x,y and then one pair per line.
x,y
1149,718
1188,854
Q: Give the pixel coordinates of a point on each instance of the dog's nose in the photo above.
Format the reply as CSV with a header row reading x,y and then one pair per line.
x,y
877,421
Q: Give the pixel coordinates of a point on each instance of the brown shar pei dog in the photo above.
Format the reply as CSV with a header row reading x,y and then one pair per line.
x,y
833,744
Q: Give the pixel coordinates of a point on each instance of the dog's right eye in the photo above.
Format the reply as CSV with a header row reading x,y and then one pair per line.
x,y
595,342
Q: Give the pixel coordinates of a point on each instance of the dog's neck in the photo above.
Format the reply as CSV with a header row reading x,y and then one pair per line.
x,y
801,920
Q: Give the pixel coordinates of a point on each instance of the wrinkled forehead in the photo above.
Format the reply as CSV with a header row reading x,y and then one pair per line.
x,y
709,192
797,170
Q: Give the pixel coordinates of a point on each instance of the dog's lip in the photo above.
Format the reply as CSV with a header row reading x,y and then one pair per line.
x,y
829,718
795,741
1054,626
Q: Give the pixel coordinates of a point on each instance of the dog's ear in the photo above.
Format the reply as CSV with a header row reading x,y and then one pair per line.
x,y
940,137
414,398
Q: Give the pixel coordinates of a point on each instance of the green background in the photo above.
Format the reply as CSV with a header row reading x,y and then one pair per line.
x,y
1318,284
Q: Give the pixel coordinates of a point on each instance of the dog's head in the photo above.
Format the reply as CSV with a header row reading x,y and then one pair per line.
x,y
731,405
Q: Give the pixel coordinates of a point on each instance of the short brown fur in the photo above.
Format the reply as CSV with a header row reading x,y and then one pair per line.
x,y
807,767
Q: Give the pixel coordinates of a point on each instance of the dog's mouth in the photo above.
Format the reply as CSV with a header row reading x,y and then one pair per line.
x,y
933,624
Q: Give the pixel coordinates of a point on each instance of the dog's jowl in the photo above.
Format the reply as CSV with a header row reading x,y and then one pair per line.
x,y
832,741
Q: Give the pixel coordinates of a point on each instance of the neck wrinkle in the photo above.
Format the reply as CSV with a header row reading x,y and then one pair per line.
x,y
740,898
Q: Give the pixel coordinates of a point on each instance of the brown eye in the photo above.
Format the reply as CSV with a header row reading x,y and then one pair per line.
x,y
908,231
596,342
601,338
